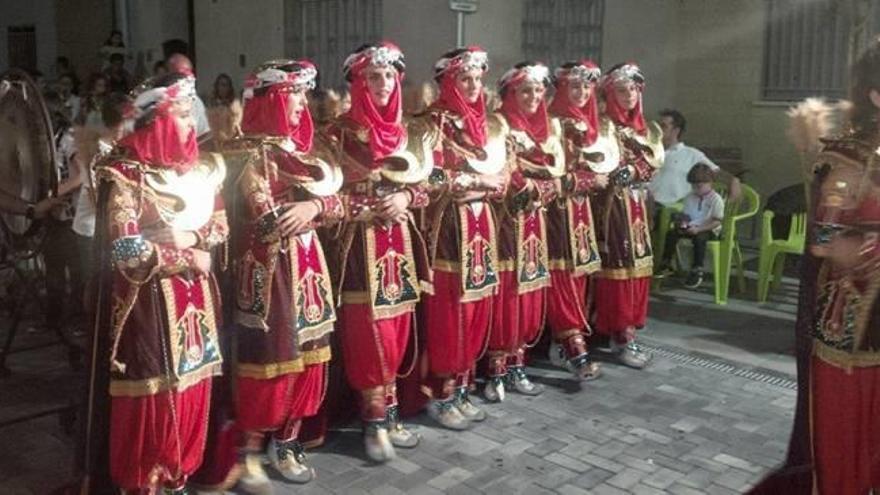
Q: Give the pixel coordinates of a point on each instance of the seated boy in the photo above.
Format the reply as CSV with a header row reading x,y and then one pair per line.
x,y
699,221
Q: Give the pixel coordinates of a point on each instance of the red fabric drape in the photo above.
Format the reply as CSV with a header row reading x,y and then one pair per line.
x,y
474,114
158,144
536,125
267,114
147,434
385,125
621,304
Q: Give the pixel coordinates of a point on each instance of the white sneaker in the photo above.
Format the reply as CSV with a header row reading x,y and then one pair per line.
x,y
467,408
449,416
630,355
494,389
288,459
377,443
399,436
521,383
253,477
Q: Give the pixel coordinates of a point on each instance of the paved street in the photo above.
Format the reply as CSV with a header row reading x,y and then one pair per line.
x,y
710,415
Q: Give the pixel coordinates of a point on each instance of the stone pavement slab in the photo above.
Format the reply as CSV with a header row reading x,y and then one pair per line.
x,y
711,414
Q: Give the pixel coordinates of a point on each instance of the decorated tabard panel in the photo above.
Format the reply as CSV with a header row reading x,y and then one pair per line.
x,y
313,296
532,262
192,325
582,236
479,275
391,269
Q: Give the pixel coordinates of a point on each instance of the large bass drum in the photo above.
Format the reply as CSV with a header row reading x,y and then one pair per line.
x,y
27,158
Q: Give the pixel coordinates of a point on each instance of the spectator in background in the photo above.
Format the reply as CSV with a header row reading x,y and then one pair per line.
x,y
62,67
224,109
699,221
344,101
92,145
66,87
670,184
223,93
90,108
159,69
179,63
118,78
325,106
113,46
60,251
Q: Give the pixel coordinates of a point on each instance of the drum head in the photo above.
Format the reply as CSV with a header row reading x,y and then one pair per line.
x,y
27,149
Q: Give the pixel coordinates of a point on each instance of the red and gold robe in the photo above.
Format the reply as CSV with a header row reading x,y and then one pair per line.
x,y
571,230
622,230
523,262
464,255
845,368
380,269
163,320
284,299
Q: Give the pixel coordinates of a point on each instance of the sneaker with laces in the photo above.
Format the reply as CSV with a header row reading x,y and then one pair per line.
x,y
289,459
516,376
694,279
449,416
466,407
397,433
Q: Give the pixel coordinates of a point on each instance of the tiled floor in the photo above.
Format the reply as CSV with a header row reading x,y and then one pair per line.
x,y
710,415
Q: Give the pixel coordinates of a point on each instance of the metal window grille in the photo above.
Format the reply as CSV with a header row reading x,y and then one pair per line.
x,y
556,31
326,31
22,47
807,45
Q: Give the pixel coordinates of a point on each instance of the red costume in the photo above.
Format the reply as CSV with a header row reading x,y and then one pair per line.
x,y
163,317
461,235
285,306
621,292
381,267
845,374
574,253
536,164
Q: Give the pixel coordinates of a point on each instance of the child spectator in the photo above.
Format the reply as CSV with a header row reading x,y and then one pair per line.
x,y
699,221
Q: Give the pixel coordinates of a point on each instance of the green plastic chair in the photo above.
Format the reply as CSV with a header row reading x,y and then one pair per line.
x,y
726,251
664,222
771,260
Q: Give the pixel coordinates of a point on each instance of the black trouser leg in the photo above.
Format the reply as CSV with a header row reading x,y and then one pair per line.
x,y
700,240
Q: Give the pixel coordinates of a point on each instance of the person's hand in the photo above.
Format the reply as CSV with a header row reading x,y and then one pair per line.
x,y
43,208
180,239
601,181
495,182
202,261
692,230
296,219
393,207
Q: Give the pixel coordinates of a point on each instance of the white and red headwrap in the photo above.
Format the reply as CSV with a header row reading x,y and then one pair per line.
x,y
154,137
461,60
536,125
381,54
265,101
585,71
623,74
385,125
445,71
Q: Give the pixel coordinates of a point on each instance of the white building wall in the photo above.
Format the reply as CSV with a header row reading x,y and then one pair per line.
x,y
233,37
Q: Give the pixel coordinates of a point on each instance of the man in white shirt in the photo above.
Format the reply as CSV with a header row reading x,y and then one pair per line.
x,y
670,184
